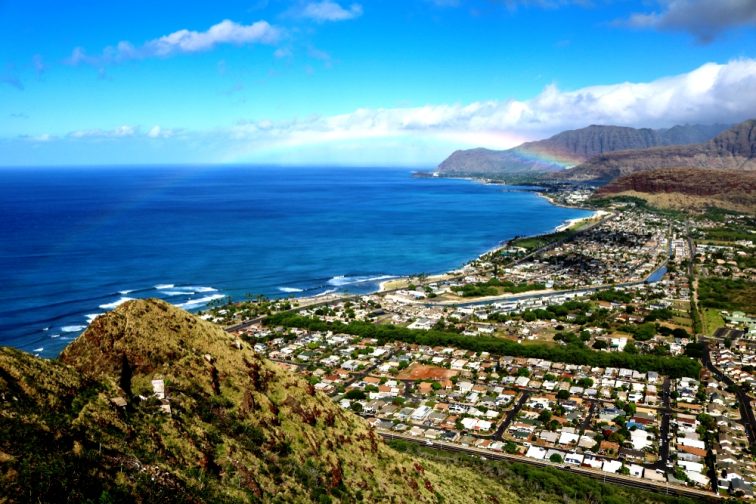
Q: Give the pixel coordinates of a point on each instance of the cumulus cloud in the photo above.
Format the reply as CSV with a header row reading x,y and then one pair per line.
x,y
182,42
712,93
327,10
705,19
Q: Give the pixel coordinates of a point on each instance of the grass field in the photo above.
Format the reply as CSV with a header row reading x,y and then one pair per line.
x,y
727,294
712,320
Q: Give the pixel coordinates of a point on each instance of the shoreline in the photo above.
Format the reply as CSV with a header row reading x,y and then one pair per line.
x,y
567,224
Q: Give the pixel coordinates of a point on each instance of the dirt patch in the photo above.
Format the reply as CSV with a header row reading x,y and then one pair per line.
x,y
424,372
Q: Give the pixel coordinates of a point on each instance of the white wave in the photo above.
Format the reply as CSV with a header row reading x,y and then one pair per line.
x,y
114,304
55,335
73,328
164,286
91,316
342,280
290,289
126,291
186,290
176,293
202,289
45,328
325,292
196,303
37,350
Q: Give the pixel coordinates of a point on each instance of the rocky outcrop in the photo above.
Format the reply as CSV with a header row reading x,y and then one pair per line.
x,y
733,149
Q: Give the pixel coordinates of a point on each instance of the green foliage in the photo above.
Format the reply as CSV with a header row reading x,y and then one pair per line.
x,y
671,366
644,332
355,394
536,242
613,296
727,294
494,286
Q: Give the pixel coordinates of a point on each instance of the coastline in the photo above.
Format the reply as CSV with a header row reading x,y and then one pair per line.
x,y
386,285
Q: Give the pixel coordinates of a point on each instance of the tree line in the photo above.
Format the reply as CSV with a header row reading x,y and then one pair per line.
x,y
674,367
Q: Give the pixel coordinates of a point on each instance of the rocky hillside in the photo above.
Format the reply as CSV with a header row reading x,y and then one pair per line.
x,y
152,404
733,149
568,149
688,188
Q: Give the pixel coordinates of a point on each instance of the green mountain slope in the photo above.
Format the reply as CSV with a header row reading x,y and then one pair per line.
x,y
240,428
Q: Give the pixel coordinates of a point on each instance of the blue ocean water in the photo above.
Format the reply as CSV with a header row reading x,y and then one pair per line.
x,y
74,242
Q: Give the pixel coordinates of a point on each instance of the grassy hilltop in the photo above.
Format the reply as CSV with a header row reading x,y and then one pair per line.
x,y
241,429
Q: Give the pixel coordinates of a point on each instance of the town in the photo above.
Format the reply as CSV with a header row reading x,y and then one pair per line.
x,y
620,345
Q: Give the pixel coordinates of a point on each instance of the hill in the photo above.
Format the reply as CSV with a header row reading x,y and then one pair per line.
x,y
733,149
569,148
232,427
688,188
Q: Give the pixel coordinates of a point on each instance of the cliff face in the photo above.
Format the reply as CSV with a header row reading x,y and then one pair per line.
x,y
229,426
569,148
733,149
686,188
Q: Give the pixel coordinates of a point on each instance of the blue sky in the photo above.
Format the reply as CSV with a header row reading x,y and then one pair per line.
x,y
387,82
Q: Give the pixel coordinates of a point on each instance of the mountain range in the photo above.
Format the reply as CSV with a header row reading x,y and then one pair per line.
x,y
732,149
568,149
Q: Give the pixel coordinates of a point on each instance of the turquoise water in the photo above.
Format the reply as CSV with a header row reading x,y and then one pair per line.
x,y
74,242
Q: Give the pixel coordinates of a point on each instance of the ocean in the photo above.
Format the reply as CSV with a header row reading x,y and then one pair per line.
x,y
76,242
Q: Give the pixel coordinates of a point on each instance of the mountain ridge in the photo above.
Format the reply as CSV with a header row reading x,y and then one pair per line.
x,y
732,149
569,148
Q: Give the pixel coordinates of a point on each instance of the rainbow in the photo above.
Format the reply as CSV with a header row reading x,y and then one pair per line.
x,y
543,155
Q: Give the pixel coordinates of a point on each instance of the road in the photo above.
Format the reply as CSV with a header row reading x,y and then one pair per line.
x,y
664,430
746,412
510,416
701,495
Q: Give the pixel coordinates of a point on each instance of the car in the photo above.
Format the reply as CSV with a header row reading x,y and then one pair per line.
x,y
429,443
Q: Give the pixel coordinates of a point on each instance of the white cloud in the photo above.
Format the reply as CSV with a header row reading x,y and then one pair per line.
x,y
118,132
423,136
182,42
709,94
327,10
705,19
225,32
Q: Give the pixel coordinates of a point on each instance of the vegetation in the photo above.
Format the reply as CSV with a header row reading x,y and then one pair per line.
x,y
727,294
494,287
544,484
572,354
240,429
535,242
